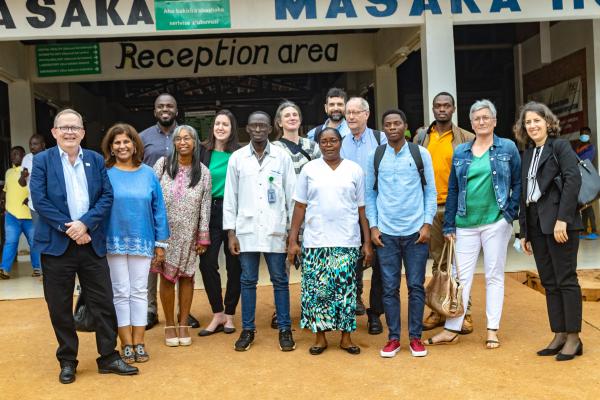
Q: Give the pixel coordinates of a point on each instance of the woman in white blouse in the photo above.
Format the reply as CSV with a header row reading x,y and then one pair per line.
x,y
330,197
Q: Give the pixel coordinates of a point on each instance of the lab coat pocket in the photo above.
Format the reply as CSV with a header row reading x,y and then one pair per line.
x,y
244,223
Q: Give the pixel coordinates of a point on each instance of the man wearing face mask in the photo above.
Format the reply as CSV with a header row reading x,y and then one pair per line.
x,y
587,151
157,140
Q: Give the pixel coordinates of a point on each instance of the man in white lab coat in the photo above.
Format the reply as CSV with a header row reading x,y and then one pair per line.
x,y
257,209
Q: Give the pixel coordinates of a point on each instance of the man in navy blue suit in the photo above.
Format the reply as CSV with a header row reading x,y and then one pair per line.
x,y
72,194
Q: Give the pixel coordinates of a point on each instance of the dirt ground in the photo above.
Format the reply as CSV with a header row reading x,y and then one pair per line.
x,y
211,369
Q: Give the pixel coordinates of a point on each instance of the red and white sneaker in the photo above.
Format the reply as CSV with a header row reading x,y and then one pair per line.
x,y
390,349
417,348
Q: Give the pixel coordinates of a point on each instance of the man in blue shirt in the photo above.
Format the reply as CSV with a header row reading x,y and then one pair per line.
x,y
356,147
335,107
400,213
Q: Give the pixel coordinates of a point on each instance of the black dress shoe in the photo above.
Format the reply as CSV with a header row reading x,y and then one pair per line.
x,y
193,322
206,332
67,374
360,307
152,320
374,325
354,350
316,350
118,367
567,357
550,352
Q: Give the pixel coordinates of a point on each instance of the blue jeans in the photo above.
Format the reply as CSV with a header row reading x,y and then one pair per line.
x,y
14,227
396,250
279,277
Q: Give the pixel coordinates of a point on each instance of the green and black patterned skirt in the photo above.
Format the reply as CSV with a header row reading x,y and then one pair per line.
x,y
328,299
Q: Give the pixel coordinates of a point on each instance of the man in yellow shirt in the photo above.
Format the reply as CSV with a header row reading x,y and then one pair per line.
x,y
440,139
17,218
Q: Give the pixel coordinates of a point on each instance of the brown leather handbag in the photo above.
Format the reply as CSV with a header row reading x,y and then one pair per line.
x,y
443,293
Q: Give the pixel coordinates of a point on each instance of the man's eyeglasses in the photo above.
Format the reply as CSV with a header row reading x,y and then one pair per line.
x,y
258,126
353,113
70,129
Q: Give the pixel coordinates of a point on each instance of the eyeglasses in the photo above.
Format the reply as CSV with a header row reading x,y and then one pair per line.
x,y
353,113
330,142
179,139
68,129
258,126
484,118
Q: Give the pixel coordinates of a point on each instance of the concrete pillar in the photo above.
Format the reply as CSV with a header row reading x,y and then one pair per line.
x,y
386,91
22,112
437,61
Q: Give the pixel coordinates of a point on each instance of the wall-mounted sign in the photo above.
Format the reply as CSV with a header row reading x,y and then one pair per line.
x,y
233,56
67,59
37,19
566,102
191,14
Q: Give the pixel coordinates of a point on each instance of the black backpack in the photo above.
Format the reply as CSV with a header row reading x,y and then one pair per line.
x,y
414,152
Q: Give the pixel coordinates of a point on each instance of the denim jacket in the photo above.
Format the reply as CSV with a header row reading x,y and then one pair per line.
x,y
506,180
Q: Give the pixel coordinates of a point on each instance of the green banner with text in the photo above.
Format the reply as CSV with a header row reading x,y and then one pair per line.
x,y
67,59
174,15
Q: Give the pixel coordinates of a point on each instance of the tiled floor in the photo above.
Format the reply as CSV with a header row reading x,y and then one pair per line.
x,y
23,286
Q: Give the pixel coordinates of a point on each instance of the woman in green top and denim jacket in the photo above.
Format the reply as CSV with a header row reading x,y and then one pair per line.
x,y
216,150
483,200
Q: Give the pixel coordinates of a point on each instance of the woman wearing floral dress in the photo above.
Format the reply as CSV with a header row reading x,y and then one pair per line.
x,y
186,186
330,195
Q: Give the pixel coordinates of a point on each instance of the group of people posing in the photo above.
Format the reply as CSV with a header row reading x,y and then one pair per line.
x,y
344,199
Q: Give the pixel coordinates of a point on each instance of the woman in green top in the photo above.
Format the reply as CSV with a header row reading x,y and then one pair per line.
x,y
484,189
221,143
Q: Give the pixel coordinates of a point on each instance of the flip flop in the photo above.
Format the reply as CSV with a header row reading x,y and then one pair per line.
x,y
430,342
489,344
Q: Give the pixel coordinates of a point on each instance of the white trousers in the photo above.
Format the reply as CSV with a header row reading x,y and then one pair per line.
x,y
129,276
494,239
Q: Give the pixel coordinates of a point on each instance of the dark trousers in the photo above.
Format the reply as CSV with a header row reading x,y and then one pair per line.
x,y
557,266
588,217
209,265
376,293
59,283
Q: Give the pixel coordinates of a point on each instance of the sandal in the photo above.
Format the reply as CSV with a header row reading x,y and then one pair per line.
x,y
140,353
128,354
171,342
430,342
492,344
185,341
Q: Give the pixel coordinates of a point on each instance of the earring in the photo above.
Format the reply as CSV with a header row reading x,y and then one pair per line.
x,y
112,153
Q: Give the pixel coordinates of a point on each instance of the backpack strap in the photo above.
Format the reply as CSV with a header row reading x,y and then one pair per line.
x,y
377,135
379,152
318,129
416,155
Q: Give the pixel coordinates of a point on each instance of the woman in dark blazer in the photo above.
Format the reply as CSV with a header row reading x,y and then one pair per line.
x,y
549,222
215,153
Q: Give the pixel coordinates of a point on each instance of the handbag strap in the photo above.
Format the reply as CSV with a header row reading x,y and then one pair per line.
x,y
452,254
444,251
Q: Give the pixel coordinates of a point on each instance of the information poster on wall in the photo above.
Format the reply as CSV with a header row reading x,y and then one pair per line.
x,y
67,59
201,121
173,15
566,101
